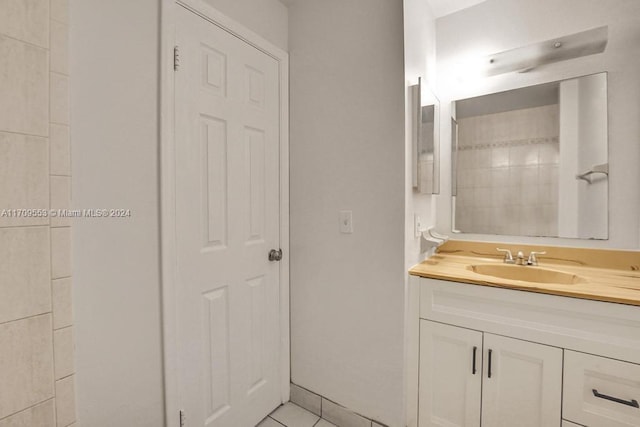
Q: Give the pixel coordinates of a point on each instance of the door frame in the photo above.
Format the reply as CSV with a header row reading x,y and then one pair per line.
x,y
167,192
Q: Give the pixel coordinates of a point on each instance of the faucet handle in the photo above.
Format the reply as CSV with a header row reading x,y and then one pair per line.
x,y
508,257
532,257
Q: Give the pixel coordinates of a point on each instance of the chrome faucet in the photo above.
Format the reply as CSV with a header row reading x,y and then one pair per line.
x,y
533,260
508,258
520,259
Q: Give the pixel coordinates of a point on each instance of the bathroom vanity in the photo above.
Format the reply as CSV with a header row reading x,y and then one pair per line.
x,y
556,344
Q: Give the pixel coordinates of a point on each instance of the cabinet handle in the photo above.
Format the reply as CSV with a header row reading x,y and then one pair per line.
x,y
632,402
489,364
473,368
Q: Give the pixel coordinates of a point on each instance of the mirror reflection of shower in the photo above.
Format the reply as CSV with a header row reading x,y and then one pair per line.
x,y
533,161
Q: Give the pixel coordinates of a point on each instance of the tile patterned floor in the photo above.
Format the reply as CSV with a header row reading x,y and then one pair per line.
x,y
291,415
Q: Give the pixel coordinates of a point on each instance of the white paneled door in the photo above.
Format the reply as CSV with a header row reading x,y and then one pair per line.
x,y
227,211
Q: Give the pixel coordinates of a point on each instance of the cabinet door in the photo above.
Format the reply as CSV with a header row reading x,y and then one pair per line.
x,y
449,388
522,383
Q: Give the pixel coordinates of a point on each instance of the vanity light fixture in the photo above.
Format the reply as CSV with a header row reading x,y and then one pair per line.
x,y
526,58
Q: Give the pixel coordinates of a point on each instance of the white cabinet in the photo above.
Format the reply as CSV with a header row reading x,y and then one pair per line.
x,y
522,382
450,375
528,335
464,373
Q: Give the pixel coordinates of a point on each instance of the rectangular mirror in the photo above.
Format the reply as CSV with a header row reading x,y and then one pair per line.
x,y
533,161
426,178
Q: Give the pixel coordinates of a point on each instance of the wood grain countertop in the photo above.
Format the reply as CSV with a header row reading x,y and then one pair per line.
x,y
604,275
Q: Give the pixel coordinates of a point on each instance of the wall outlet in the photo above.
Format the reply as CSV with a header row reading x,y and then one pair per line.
x,y
346,222
417,225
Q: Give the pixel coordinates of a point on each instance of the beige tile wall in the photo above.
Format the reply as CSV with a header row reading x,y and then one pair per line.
x,y
37,386
507,175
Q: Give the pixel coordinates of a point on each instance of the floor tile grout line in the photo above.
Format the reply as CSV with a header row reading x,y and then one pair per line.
x,y
322,399
276,421
303,409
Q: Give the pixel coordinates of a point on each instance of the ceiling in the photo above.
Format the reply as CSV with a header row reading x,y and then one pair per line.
x,y
445,7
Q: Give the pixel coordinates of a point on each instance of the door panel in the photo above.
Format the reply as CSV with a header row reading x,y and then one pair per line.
x,y
227,219
214,140
449,390
216,340
525,386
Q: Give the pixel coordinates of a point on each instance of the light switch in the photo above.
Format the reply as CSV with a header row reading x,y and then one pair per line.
x,y
346,222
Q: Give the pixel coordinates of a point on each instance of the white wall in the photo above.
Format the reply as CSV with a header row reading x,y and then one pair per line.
x,y
498,25
347,153
114,99
268,18
419,61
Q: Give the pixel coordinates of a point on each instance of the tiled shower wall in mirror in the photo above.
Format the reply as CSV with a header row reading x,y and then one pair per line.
x,y
507,174
37,370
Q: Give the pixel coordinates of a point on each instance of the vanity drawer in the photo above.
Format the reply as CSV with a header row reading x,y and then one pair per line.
x,y
600,392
